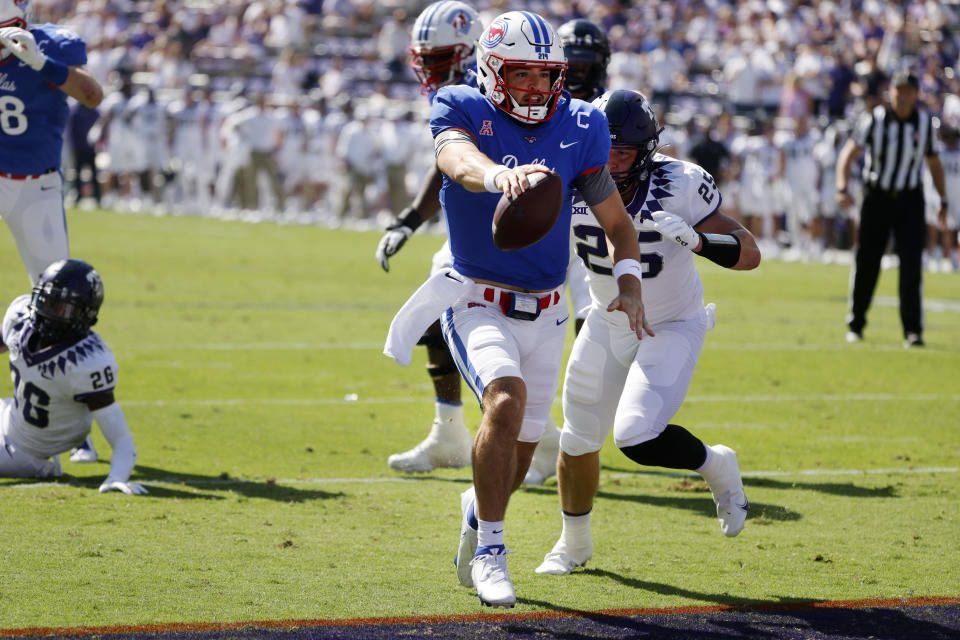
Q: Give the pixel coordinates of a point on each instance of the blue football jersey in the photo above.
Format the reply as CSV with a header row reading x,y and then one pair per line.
x,y
33,113
574,142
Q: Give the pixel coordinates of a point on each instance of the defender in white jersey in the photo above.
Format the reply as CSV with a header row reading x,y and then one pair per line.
x,y
63,378
613,379
799,171
948,219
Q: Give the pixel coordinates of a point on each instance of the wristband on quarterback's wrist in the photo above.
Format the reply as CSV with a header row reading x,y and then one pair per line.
x,y
627,266
490,177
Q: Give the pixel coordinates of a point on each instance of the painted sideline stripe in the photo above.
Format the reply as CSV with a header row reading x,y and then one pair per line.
x,y
355,399
866,603
226,482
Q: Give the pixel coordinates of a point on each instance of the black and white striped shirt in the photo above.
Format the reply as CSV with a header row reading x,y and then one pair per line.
x,y
896,149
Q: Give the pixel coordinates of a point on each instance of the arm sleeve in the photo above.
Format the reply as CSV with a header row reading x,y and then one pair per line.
x,y
595,186
113,424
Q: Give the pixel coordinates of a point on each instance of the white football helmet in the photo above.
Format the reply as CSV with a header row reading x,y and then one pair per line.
x,y
520,39
15,13
443,40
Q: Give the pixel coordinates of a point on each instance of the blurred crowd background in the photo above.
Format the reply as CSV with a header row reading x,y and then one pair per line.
x,y
257,109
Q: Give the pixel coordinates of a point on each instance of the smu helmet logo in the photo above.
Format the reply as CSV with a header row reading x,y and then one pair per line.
x,y
460,22
495,34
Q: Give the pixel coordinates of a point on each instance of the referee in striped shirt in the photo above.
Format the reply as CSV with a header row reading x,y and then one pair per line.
x,y
899,139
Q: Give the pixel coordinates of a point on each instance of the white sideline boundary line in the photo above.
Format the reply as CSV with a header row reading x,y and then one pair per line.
x,y
351,399
173,482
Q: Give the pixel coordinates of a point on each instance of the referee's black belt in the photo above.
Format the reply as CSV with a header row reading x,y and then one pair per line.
x,y
893,193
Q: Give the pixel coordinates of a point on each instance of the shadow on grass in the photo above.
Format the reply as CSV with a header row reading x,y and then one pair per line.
x,y
847,489
265,489
162,483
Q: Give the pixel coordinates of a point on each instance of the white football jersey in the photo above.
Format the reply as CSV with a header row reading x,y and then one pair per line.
x,y
950,158
672,288
800,163
49,385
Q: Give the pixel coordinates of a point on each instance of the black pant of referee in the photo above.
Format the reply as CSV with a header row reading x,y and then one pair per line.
x,y
884,212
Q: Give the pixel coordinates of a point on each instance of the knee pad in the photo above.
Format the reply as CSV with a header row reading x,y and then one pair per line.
x,y
573,445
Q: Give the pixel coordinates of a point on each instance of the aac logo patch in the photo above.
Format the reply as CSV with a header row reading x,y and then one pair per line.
x,y
487,128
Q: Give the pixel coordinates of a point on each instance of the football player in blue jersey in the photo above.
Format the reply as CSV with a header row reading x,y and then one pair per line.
x,y
443,39
504,325
39,67
614,381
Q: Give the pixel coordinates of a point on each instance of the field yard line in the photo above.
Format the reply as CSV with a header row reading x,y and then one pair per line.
x,y
226,482
355,399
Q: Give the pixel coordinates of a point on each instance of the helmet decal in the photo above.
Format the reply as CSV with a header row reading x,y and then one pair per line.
x,y
496,33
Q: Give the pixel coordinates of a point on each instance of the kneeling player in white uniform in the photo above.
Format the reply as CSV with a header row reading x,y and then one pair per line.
x,y
635,387
63,378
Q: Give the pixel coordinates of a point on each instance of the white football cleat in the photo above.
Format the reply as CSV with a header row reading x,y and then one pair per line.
x,y
544,462
447,445
468,539
489,571
562,560
86,452
727,489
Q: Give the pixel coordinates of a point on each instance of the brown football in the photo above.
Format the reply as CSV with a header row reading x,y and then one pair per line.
x,y
522,221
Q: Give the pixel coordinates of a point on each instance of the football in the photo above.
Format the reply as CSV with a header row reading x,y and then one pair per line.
x,y
522,221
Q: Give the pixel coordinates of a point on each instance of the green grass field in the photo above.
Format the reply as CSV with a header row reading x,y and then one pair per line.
x,y
263,412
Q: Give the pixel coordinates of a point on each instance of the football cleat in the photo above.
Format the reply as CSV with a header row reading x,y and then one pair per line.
x,y
563,560
84,453
544,462
913,340
490,576
727,489
452,449
854,336
468,539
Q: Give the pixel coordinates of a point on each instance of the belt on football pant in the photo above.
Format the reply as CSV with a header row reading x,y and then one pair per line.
x,y
505,298
14,176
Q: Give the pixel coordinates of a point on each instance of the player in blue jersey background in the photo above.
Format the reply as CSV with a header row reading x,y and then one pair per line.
x,y
506,329
443,41
39,67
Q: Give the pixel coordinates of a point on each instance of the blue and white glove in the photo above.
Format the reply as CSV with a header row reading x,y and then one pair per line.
x,y
23,45
129,488
674,228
